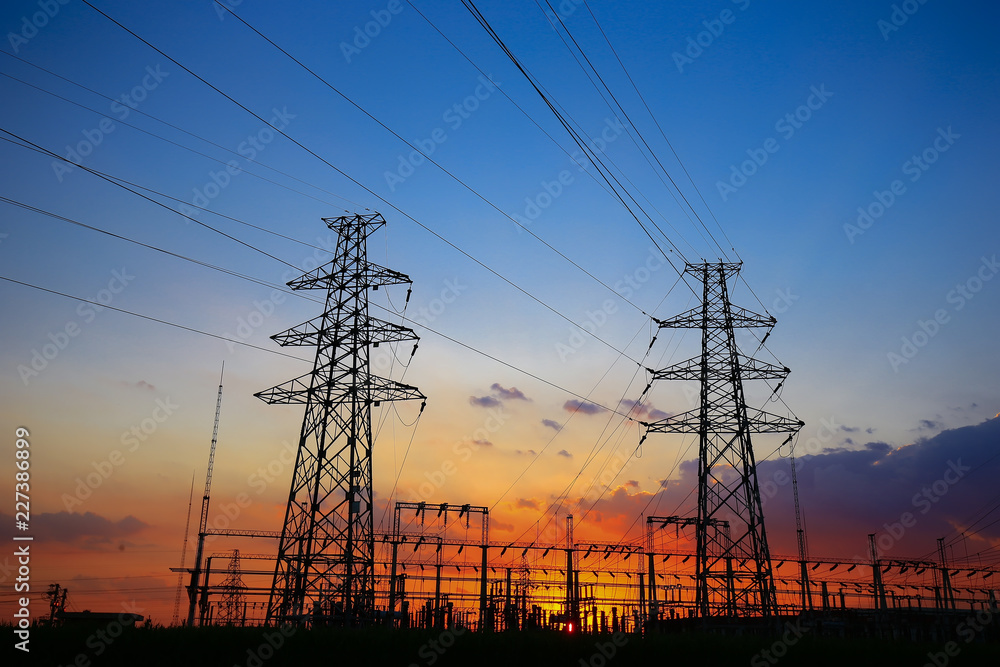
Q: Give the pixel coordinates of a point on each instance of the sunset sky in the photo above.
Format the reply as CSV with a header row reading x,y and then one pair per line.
x,y
847,152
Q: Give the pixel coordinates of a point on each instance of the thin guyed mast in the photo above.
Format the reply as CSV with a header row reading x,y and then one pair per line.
x,y
180,577
800,533
203,524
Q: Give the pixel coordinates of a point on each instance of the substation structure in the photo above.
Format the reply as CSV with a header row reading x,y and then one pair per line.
x,y
439,567
430,573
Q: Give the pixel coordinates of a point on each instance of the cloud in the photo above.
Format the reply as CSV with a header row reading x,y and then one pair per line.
x,y
484,401
563,452
643,410
527,503
141,385
846,493
90,528
849,429
482,443
634,483
582,406
529,452
927,424
512,394
500,394
554,425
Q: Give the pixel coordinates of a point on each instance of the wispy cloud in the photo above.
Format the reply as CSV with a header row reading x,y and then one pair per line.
x,y
552,424
512,394
484,401
582,406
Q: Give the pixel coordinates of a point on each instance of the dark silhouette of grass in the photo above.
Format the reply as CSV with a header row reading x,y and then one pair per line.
x,y
268,647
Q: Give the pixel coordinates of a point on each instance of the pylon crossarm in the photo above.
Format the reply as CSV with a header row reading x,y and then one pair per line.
x,y
751,369
765,422
336,275
696,318
339,332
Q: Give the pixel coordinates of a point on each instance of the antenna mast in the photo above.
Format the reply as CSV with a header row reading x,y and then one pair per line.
x,y
203,524
180,576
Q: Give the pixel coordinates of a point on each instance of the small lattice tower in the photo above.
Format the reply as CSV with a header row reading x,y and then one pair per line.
x,y
232,602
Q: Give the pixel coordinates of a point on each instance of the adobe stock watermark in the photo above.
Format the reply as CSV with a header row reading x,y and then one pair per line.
x,y
825,434
123,105
605,652
899,16
225,514
249,148
32,24
255,319
779,649
549,191
383,358
131,441
787,125
273,641
915,167
596,319
435,308
464,449
967,631
261,311
923,501
564,9
782,302
363,35
432,650
959,296
713,30
454,117
60,340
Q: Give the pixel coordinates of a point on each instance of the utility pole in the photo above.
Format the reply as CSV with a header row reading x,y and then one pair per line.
x,y
946,589
732,575
203,522
325,572
879,587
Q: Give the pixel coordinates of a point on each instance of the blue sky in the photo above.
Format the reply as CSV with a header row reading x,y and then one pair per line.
x,y
844,300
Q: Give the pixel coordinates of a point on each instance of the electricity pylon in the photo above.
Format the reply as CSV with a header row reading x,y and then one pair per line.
x,y
325,572
232,605
733,575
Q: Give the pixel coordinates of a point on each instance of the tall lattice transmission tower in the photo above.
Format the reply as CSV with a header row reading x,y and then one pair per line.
x,y
325,572
733,575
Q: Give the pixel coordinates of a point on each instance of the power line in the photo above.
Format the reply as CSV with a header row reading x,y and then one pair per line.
x,y
178,128
601,167
660,128
116,182
427,157
278,287
169,141
356,182
627,118
150,318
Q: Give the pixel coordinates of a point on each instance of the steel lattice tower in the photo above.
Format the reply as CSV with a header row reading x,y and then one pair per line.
x,y
733,571
233,602
325,572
